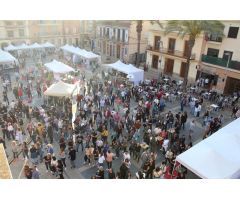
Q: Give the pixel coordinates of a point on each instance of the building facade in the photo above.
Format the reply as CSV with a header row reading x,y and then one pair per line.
x,y
13,31
118,40
167,54
57,32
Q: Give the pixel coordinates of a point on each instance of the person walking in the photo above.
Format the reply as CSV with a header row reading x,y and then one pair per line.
x,y
72,156
14,147
183,119
62,157
47,161
191,129
60,169
25,150
109,159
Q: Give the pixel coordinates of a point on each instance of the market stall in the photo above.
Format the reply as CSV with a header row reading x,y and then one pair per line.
x,y
7,61
58,67
216,157
61,89
134,74
81,56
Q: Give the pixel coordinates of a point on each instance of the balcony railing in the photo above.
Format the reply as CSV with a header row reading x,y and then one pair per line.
x,y
215,38
170,52
221,62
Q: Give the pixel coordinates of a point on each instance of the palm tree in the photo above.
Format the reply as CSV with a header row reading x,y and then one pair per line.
x,y
193,28
139,33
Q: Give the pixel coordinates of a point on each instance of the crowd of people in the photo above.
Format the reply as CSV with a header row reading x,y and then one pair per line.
x,y
115,123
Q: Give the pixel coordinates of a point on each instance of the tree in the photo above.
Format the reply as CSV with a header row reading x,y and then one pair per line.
x,y
139,33
193,28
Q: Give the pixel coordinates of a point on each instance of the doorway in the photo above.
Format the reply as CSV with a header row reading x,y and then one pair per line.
x,y
155,61
169,66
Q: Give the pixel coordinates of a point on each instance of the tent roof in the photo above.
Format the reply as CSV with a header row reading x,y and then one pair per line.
x,y
217,156
80,52
35,46
47,44
125,68
10,47
58,67
6,57
60,89
22,46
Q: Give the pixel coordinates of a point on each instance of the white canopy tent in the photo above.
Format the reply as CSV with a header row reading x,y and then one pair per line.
x,y
58,67
10,47
48,45
216,157
35,46
22,47
61,89
6,57
80,52
134,74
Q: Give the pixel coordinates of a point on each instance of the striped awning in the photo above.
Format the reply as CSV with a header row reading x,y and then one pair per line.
x,y
5,172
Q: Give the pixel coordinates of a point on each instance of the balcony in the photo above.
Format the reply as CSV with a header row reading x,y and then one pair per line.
x,y
221,62
170,52
214,38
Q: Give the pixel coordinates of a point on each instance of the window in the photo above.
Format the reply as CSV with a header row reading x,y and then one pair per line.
x,y
233,32
66,30
126,51
10,34
226,55
114,33
123,35
74,30
113,50
215,38
21,32
20,23
171,45
8,23
101,32
213,52
108,53
157,40
118,35
108,32
42,30
110,50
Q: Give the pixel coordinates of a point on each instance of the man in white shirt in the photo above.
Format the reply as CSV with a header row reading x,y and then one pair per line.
x,y
12,104
60,125
101,159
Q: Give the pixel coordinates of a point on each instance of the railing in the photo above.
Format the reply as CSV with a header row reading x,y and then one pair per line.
x,y
215,38
176,53
221,62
